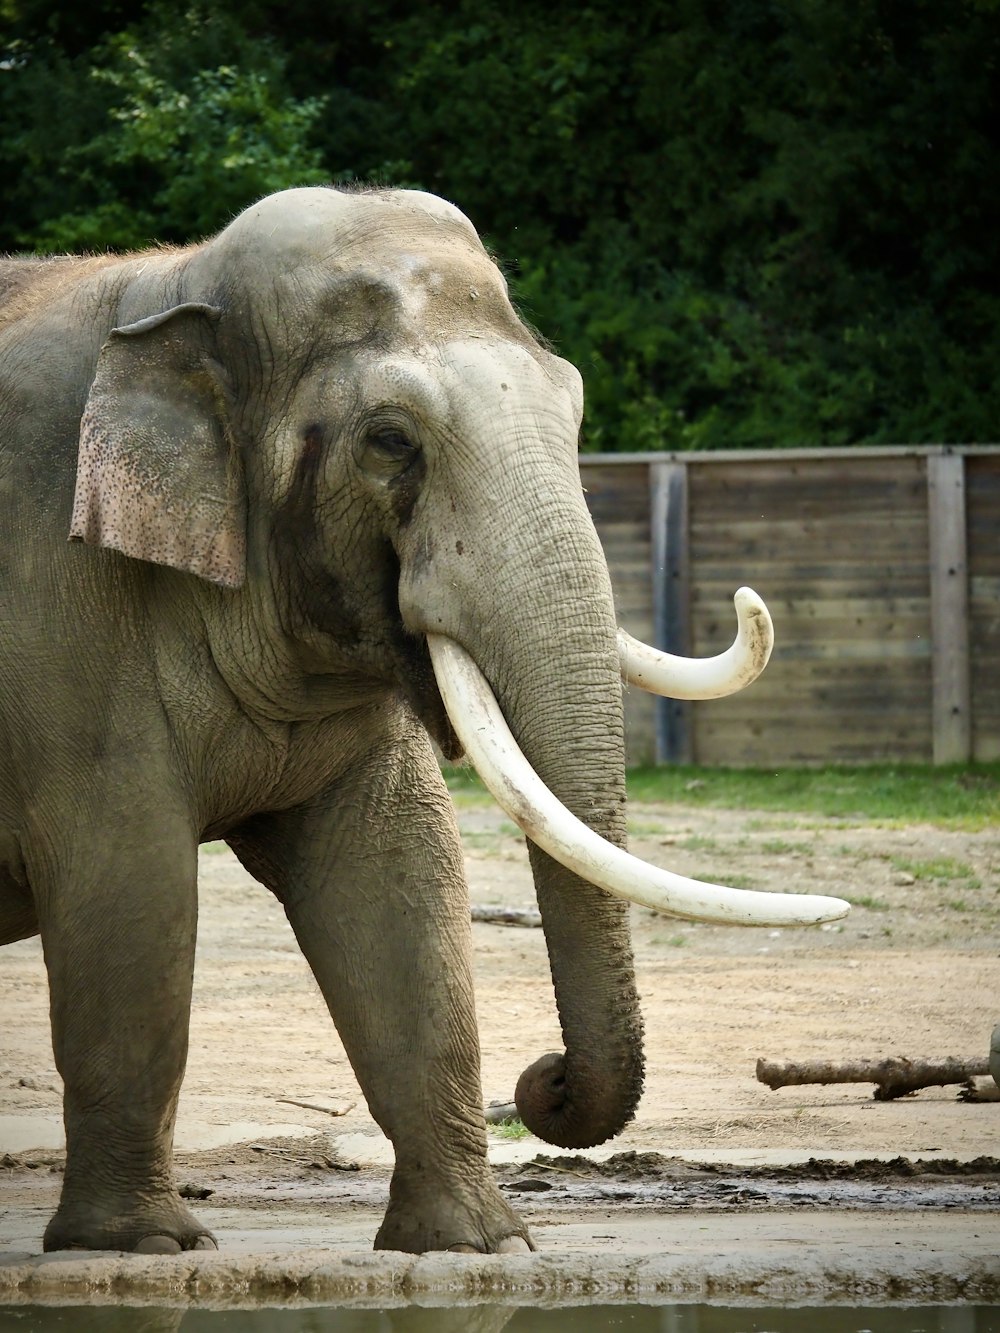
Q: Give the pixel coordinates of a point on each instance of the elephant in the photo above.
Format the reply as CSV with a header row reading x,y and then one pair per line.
x,y
278,507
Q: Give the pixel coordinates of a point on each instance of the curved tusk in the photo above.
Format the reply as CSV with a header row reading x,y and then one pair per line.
x,y
705,677
476,717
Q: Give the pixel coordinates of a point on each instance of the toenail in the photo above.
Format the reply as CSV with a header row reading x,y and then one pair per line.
x,y
158,1245
514,1245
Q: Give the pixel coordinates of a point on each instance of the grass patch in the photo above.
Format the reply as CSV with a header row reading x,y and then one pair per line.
x,y
965,796
872,904
942,870
644,828
726,877
699,842
480,838
959,796
779,847
514,1128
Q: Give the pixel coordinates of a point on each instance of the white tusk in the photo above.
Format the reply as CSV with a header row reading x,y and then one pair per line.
x,y
705,677
476,717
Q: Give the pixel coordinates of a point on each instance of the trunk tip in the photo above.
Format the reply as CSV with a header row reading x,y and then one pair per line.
x,y
574,1112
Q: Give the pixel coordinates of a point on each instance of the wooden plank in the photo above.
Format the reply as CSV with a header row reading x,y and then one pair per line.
x,y
982,489
837,543
949,584
618,499
616,493
838,550
798,454
821,489
885,540
668,509
800,746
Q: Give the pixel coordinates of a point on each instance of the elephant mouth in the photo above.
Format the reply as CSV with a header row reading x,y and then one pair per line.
x,y
421,692
477,719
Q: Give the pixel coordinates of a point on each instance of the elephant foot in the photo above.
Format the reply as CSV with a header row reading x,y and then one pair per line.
x,y
433,1217
509,1245
163,1228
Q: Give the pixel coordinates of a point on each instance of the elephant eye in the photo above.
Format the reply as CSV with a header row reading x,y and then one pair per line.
x,y
392,445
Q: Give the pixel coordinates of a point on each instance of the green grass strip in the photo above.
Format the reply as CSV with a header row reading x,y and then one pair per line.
x,y
963,796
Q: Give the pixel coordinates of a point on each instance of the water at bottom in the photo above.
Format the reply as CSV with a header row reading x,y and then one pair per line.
x,y
633,1318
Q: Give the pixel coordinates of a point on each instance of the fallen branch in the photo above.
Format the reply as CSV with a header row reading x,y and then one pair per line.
x,y
283,1153
550,1166
893,1077
296,1159
505,916
315,1106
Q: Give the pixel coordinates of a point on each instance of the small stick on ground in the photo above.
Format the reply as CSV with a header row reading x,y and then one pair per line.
x,y
499,1112
562,1170
505,916
283,1153
314,1106
893,1077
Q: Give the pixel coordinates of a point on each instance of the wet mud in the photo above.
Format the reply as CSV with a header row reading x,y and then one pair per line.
x,y
653,1181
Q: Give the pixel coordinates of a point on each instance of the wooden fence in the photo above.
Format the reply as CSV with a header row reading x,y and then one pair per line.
x,y
881,569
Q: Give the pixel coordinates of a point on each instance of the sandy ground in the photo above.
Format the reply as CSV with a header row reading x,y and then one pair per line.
x,y
914,971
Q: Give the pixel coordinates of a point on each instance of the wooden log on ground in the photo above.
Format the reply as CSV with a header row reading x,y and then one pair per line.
x,y
892,1076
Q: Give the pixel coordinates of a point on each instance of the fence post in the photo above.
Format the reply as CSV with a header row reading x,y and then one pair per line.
x,y
949,591
668,508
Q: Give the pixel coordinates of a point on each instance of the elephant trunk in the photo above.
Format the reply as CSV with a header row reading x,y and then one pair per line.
x,y
548,648
587,1094
569,723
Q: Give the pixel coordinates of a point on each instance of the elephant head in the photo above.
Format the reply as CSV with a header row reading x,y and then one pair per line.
x,y
337,418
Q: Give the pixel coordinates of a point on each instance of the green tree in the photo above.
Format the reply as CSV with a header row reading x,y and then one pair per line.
x,y
750,222
172,127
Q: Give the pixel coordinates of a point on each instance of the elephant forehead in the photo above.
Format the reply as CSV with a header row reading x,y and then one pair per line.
x,y
461,381
501,376
314,225
409,381
410,293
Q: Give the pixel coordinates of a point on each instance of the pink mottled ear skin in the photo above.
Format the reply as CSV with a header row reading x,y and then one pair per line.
x,y
158,476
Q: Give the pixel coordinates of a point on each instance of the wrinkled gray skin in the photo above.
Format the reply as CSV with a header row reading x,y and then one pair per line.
x,y
306,443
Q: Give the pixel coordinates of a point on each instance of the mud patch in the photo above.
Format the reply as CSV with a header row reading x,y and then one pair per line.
x,y
653,1181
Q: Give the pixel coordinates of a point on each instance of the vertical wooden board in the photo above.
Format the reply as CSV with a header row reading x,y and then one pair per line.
x,y
838,545
807,534
616,492
670,585
949,590
617,496
983,537
640,727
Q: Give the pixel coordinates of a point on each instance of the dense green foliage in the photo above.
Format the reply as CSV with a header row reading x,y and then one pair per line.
x,y
749,222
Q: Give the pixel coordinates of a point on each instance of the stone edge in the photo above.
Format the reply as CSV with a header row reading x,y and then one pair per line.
x,y
316,1277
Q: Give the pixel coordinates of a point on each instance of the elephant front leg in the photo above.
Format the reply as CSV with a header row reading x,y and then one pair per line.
x,y
118,921
372,880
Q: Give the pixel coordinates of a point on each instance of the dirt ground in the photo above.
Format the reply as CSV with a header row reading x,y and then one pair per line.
x,y
913,971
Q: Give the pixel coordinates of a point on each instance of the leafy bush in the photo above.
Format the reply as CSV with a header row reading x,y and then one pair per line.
x,y
170,149
749,222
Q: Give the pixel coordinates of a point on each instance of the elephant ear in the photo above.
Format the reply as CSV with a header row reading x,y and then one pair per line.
x,y
158,474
